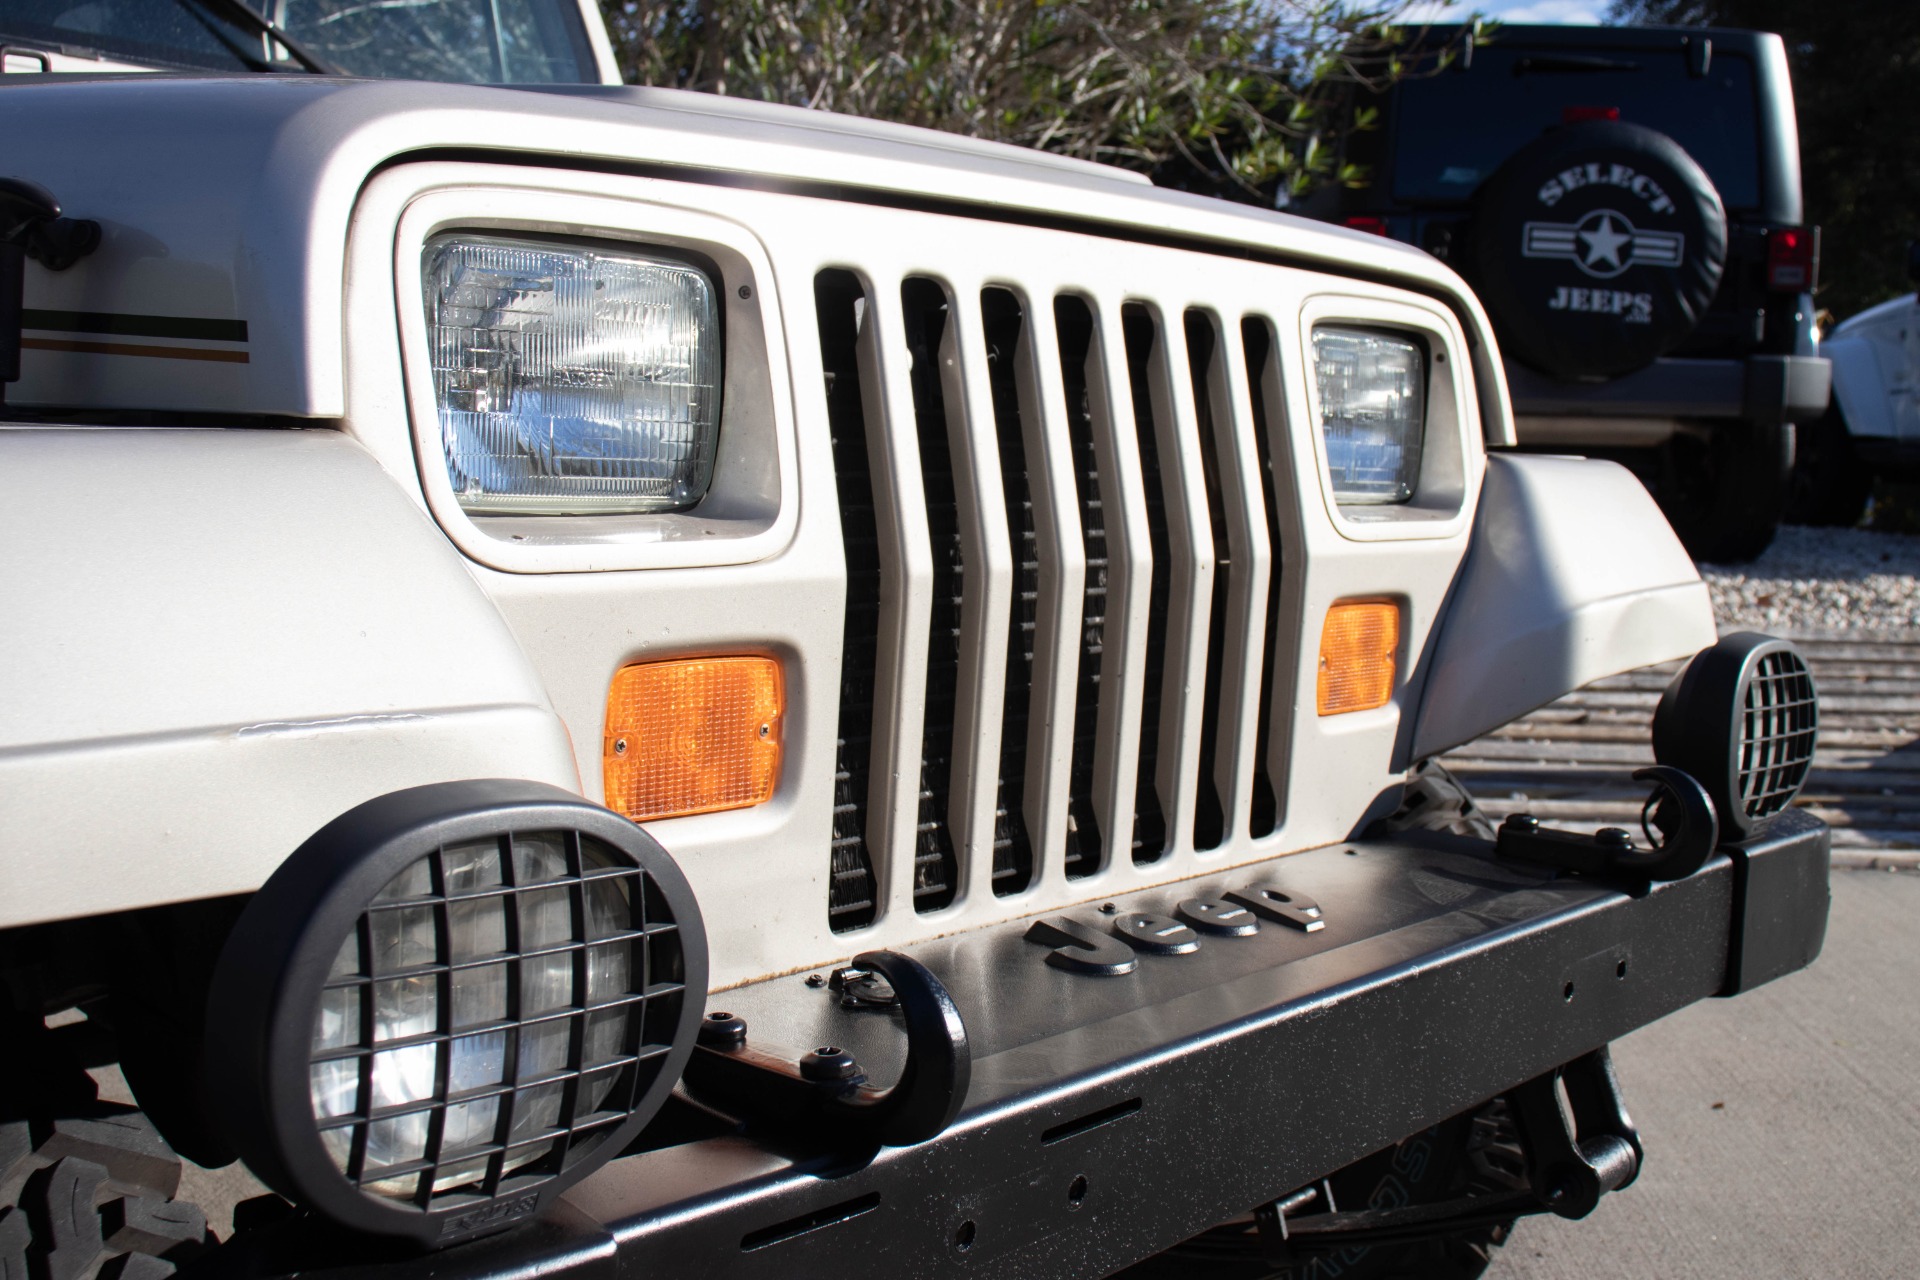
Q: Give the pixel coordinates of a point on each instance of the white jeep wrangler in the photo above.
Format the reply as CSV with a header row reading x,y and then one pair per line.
x,y
616,680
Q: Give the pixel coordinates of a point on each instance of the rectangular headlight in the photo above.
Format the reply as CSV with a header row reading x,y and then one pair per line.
x,y
1372,412
572,379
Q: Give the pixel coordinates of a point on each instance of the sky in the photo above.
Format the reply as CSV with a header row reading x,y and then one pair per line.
x,y
1576,11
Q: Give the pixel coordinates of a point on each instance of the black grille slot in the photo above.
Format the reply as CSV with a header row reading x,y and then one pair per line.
x,y
935,871
1778,727
841,309
1012,846
1210,812
1075,326
1258,340
1149,814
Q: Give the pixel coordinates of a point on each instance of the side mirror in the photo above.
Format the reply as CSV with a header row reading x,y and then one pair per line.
x,y
1913,261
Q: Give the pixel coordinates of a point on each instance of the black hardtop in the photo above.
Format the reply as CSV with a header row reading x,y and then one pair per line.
x,y
1560,35
1746,139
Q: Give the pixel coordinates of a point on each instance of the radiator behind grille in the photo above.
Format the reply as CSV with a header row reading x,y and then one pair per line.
x,y
1012,847
924,313
1074,324
852,899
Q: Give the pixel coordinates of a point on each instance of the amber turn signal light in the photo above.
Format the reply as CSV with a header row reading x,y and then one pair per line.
x,y
693,735
1358,649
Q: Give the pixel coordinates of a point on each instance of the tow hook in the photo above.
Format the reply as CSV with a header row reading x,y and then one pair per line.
x,y
826,1096
1677,820
31,227
1573,1160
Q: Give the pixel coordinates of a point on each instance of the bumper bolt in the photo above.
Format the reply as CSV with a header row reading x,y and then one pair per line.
x,y
829,1064
1614,838
722,1030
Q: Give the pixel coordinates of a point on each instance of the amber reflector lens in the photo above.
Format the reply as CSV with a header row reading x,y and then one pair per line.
x,y
692,736
1357,651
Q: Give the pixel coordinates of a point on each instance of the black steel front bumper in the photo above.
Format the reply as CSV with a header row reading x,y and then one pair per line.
x,y
1109,1118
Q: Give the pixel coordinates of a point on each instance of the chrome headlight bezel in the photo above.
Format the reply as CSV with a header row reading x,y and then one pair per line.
x,y
266,1001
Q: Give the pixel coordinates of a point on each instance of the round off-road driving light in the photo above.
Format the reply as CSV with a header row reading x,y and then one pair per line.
x,y
1741,718
450,1003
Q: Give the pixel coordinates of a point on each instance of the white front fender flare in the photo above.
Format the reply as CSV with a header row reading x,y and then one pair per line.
x,y
1573,574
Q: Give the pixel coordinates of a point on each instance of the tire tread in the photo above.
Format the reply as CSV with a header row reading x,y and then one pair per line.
x,y
91,1198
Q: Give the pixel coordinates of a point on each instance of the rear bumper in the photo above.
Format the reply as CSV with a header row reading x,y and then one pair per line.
x,y
1768,389
1112,1117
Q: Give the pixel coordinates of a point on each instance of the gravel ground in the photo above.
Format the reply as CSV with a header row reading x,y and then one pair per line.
x,y
1823,580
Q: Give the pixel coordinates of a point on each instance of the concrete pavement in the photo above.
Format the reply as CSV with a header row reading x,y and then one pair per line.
x,y
1782,1128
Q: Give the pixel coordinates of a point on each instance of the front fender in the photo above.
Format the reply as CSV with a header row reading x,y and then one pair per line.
x,y
1573,574
215,642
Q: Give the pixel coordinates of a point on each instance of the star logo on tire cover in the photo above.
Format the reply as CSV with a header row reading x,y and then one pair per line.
x,y
1603,244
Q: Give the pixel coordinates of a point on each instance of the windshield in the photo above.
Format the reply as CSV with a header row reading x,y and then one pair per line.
x,y
473,41
1455,128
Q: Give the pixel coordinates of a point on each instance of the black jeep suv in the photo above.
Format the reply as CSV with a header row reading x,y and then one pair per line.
x,y
1626,202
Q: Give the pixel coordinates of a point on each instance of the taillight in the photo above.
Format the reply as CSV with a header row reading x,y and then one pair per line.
x,y
1793,258
1580,115
1367,223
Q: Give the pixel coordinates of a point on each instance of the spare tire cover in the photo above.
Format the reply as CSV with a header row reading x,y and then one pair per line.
x,y
1596,248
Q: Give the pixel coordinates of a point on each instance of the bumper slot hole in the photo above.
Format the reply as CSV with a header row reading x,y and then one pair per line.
x,y
808,1222
1092,1120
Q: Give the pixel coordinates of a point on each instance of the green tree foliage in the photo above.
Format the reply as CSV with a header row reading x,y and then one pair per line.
x,y
1856,84
1229,96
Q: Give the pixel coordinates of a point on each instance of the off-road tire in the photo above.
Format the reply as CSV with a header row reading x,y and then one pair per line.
x,y
1830,483
1555,311
92,1199
1725,494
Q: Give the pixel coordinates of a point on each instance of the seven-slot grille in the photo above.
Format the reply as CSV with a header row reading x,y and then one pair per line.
x,y
493,1017
1129,638
1779,722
